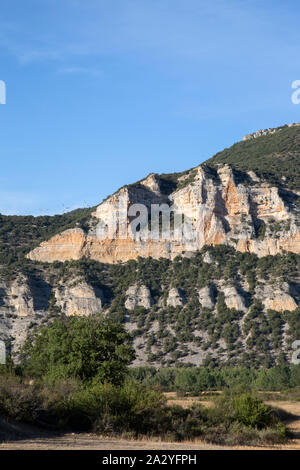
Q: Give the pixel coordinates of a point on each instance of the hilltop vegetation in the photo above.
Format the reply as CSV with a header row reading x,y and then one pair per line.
x,y
20,234
275,157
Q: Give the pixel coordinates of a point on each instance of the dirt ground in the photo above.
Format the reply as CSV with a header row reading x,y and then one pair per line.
x,y
92,442
24,437
292,407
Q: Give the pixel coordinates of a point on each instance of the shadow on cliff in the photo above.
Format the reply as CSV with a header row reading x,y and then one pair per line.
x,y
2,294
41,293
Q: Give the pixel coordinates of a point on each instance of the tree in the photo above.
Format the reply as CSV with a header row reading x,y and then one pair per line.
x,y
81,347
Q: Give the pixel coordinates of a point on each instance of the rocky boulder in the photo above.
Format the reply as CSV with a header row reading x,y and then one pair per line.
x,y
79,298
175,298
234,299
276,297
138,296
207,297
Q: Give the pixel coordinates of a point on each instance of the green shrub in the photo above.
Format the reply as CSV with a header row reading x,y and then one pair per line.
x,y
245,408
81,347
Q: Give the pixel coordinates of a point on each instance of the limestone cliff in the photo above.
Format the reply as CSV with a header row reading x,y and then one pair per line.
x,y
78,298
175,298
138,296
276,297
227,286
222,207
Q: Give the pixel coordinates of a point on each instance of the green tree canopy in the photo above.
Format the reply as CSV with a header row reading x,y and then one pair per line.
x,y
81,347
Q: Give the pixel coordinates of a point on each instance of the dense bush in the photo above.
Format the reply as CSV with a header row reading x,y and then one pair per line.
x,y
246,409
79,347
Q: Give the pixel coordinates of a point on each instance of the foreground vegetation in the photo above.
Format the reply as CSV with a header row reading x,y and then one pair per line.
x,y
133,410
73,375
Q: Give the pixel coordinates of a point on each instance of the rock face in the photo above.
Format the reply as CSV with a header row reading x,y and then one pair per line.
x,y
24,304
276,297
207,297
19,298
233,299
220,207
18,310
79,299
138,296
175,298
65,246
266,132
207,258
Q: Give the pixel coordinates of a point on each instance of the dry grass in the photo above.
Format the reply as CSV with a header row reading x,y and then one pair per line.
x,y
186,402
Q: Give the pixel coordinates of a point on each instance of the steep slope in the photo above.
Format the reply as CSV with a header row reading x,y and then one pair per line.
x,y
246,197
229,293
217,306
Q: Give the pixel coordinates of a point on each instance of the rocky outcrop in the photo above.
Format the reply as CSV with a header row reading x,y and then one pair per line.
x,y
276,297
175,298
25,303
18,310
207,258
219,207
65,246
78,298
138,296
234,299
207,297
266,132
18,298
152,183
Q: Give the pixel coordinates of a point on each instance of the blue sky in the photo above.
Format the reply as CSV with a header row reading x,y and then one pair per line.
x,y
102,92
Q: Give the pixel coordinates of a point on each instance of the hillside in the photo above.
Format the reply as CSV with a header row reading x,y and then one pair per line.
x,y
229,294
272,160
20,234
274,157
